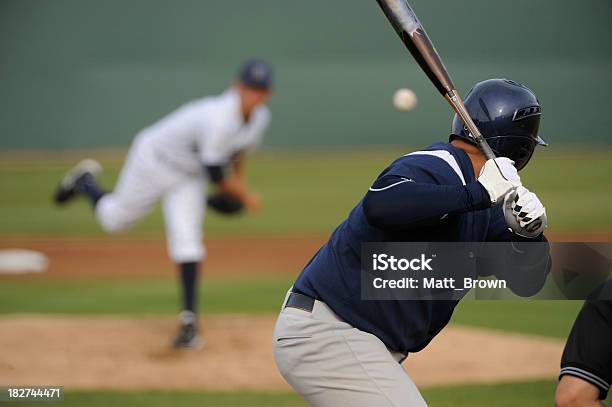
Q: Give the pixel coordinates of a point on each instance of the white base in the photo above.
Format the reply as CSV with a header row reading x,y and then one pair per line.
x,y
21,261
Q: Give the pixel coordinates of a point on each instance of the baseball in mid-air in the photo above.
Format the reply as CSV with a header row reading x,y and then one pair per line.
x,y
404,99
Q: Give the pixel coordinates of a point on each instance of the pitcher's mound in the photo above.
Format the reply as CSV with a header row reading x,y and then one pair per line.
x,y
134,353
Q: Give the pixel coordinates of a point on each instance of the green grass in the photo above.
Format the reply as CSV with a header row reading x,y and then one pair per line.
x,y
247,294
547,318
304,192
143,296
527,394
175,399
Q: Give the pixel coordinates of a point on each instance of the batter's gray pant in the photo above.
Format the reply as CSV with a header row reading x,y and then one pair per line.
x,y
332,364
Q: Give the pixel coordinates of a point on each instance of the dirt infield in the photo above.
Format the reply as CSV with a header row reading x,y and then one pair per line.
x,y
100,257
123,353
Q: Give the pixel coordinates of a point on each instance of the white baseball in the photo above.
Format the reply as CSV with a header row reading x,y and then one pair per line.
x,y
404,99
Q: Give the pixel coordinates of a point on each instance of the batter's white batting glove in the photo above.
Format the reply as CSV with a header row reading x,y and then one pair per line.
x,y
524,213
498,177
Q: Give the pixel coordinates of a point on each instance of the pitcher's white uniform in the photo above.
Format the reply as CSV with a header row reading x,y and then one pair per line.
x,y
166,161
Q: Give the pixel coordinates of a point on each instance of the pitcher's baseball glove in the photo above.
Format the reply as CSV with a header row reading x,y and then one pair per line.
x,y
225,204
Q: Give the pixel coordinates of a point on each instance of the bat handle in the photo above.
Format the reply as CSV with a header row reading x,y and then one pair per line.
x,y
457,104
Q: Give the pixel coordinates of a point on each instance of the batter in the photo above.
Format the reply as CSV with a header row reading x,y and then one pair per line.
x,y
338,350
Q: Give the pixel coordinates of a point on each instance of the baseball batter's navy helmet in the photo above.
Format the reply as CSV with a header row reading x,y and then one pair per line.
x,y
256,73
507,114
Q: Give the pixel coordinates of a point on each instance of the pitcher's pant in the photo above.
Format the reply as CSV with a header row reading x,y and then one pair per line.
x,y
143,181
332,364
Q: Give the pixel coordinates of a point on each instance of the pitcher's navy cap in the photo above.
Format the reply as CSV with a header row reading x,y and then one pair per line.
x,y
256,73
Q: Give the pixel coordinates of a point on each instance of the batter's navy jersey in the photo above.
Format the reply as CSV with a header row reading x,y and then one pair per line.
x,y
426,196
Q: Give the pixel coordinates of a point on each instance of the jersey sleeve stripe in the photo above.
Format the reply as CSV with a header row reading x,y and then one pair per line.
x,y
391,186
588,376
446,156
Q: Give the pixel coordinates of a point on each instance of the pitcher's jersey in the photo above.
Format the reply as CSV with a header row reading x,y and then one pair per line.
x,y
207,131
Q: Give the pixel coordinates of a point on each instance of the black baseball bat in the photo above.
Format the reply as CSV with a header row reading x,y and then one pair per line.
x,y
413,35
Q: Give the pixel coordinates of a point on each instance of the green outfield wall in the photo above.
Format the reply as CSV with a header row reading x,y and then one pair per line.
x,y
85,73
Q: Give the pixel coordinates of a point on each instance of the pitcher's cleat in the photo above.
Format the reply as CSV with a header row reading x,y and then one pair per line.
x,y
66,190
188,337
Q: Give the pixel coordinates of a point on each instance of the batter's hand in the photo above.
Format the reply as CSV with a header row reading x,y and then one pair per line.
x,y
524,213
498,177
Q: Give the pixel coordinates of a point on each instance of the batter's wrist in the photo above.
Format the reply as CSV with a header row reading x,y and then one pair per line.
x,y
477,196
